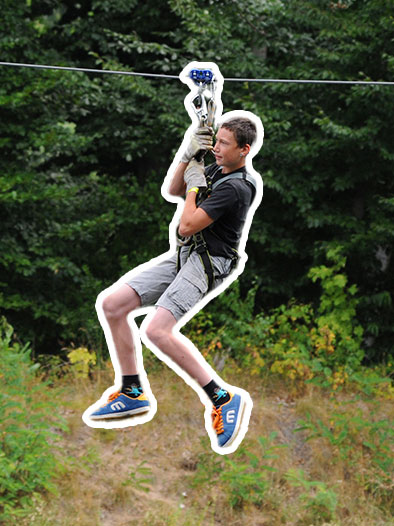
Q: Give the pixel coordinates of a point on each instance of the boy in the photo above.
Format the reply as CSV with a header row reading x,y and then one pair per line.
x,y
217,201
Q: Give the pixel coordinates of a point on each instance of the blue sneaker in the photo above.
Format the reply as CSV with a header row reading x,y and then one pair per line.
x,y
120,405
227,418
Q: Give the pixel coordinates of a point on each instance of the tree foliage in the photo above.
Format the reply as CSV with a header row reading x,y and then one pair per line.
x,y
84,156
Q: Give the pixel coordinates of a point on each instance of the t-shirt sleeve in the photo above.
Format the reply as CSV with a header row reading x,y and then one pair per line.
x,y
220,201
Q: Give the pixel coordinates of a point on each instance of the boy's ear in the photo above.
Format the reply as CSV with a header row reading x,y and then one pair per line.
x,y
245,150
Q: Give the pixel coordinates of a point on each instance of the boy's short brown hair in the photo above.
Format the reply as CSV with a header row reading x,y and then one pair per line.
x,y
244,130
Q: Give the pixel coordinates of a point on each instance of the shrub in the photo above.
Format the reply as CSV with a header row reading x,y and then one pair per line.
x,y
362,439
28,424
322,344
243,479
82,361
320,501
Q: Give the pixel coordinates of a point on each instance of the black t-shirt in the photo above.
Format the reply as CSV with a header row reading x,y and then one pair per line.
x,y
227,205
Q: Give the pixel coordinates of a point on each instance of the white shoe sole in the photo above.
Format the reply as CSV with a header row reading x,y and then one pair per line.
x,y
121,415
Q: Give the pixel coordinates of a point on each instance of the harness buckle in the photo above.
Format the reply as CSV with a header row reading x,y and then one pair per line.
x,y
200,248
200,244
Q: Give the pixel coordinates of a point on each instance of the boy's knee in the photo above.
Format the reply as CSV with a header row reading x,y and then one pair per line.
x,y
120,303
151,332
111,308
155,333
114,310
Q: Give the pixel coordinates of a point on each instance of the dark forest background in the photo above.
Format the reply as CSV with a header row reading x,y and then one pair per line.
x,y
83,156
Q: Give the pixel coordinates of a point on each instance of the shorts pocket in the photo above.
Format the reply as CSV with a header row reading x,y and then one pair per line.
x,y
187,293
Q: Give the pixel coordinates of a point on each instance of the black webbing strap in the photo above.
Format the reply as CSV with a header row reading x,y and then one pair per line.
x,y
235,175
178,259
245,176
201,248
199,244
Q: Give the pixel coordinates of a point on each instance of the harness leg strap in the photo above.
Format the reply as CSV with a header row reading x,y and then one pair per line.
x,y
200,246
207,264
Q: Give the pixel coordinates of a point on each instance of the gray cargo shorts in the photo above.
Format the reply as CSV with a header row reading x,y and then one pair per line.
x,y
178,292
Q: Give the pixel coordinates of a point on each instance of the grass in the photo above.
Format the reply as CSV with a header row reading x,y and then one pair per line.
x,y
299,465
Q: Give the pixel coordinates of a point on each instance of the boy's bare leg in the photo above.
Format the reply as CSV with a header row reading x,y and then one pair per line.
x,y
130,400
226,421
226,424
160,333
116,308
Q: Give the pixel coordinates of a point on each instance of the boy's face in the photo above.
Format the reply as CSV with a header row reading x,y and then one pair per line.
x,y
227,152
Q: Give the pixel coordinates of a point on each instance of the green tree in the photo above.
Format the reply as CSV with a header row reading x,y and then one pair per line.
x,y
81,166
328,155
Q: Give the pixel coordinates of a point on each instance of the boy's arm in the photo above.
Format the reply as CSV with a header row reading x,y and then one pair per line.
x,y
177,184
193,219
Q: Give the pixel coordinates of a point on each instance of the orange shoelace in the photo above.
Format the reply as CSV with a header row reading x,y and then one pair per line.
x,y
113,396
217,420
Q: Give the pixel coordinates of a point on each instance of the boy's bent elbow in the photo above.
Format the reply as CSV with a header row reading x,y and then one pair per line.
x,y
176,190
185,229
176,193
181,231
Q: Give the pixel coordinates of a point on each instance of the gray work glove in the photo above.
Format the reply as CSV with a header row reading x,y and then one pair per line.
x,y
194,175
200,142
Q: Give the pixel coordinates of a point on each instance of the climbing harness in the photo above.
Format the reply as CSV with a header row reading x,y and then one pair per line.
x,y
197,241
210,187
198,244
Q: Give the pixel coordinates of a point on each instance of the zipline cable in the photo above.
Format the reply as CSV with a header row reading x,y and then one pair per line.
x,y
88,70
234,79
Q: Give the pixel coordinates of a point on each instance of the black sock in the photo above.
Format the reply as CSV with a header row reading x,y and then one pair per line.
x,y
131,386
218,395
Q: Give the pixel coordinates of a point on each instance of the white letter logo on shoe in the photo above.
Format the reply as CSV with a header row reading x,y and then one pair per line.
x,y
117,406
230,416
